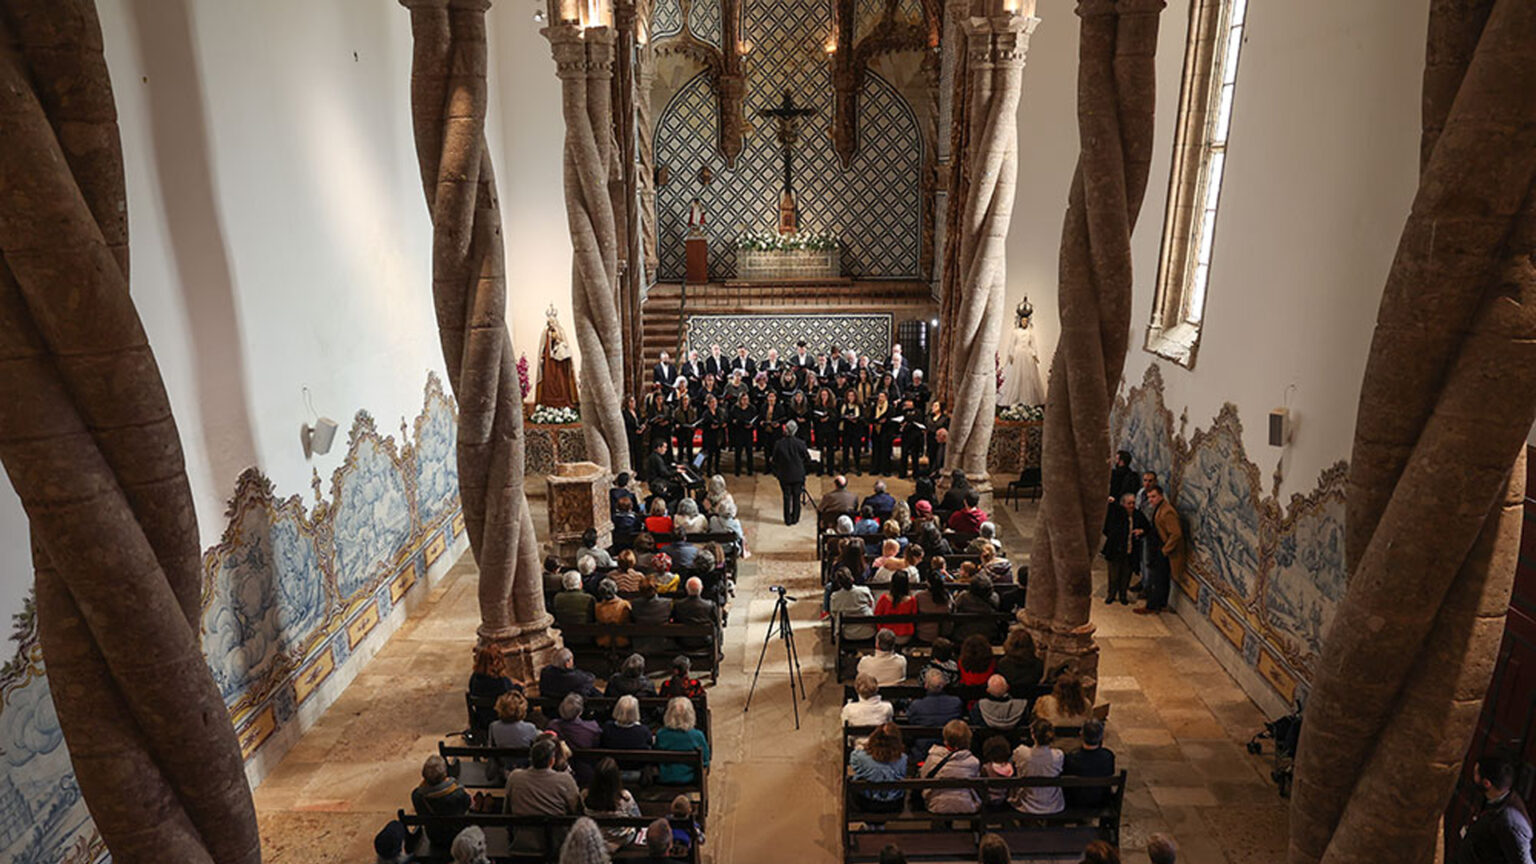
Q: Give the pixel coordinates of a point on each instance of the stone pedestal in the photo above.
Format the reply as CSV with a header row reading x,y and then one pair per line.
x,y
578,500
1073,648
696,256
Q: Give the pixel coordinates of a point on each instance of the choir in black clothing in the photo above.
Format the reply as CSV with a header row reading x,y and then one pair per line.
x,y
842,408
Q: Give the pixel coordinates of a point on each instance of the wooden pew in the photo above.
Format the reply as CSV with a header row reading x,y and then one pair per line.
x,y
471,766
599,708
547,833
845,647
604,661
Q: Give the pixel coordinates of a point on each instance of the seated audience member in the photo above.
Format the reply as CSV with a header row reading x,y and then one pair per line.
x,y
866,525
869,709
561,677
880,503
577,732
724,521
1099,852
667,582
1000,569
678,733
977,666
610,608
469,846
657,521
587,568
880,758
923,492
940,568
1092,759
658,842
606,796
511,728
1019,663
851,599
954,496
489,680
898,601
540,790
573,606
686,831
590,549
978,598
901,514
933,600
886,665
562,750
682,551
997,763
1162,850
627,576
923,518
689,518
892,854
840,500
942,659
625,731
439,795
931,538
645,552
1039,759
389,844
651,609
553,578
1066,704
890,561
631,680
681,683
987,533
891,530
952,760
998,709
992,849
843,527
626,518
935,707
1501,828
621,491
694,609
968,519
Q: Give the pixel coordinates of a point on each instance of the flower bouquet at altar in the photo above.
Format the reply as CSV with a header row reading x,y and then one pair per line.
x,y
544,415
771,256
1021,413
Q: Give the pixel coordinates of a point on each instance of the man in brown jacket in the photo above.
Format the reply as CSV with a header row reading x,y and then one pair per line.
x,y
1165,552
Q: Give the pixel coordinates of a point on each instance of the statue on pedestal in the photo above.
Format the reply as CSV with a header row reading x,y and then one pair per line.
x,y
557,378
696,218
1021,363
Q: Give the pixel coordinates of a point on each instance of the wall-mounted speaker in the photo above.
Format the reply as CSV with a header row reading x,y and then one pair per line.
x,y
1279,427
317,439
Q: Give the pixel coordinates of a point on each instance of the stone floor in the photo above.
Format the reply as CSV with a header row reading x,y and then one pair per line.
x,y
1177,723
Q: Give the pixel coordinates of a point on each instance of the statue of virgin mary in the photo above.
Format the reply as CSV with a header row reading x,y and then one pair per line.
x,y
1021,363
557,379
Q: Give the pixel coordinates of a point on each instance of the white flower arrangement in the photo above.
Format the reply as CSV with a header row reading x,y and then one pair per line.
x,y
766,241
544,415
1021,412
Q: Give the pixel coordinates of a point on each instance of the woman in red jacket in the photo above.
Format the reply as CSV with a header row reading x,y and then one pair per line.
x,y
898,601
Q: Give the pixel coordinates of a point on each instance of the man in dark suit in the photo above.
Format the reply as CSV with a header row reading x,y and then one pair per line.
x,y
562,677
1093,759
694,609
881,502
693,369
746,364
665,372
657,466
717,364
789,460
840,500
773,366
802,358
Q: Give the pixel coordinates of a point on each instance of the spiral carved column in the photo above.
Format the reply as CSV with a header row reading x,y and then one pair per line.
x,y
469,294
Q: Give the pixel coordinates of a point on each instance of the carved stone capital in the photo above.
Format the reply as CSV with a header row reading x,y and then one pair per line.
x,y
998,41
581,52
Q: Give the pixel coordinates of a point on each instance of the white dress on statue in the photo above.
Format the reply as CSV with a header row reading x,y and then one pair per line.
x,y
1021,371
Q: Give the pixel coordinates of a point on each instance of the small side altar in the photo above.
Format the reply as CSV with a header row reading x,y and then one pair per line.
x,y
797,257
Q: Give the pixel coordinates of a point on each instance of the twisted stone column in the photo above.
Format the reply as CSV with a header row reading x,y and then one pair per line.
x,y
584,62
1437,473
1116,96
91,447
469,295
995,47
645,134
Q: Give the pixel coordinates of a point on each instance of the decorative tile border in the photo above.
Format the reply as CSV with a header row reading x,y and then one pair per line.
x,y
1267,577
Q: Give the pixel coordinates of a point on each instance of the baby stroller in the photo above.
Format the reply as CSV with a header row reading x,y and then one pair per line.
x,y
1284,731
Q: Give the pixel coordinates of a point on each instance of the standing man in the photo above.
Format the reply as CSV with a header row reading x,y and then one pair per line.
x,y
772,365
1148,480
802,359
1501,830
1124,526
1167,552
789,460
693,369
716,363
746,365
664,373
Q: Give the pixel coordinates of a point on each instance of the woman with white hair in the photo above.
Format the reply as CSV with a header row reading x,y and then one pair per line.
x,y
725,521
678,733
689,518
625,731
584,844
469,847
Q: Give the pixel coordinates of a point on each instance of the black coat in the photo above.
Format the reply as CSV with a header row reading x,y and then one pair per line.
x,y
789,460
1122,480
1117,525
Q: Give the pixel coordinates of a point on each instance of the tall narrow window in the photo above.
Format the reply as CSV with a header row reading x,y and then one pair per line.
x,y
1199,158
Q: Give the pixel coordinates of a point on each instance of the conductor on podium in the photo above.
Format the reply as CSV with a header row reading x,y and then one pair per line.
x,y
790,456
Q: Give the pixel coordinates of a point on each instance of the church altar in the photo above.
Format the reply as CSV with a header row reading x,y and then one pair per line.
x,y
786,265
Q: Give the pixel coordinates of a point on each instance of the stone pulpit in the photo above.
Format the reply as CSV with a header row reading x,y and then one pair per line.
x,y
578,500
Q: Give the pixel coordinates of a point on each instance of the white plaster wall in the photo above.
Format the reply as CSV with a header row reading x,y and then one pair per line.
x,y
1322,165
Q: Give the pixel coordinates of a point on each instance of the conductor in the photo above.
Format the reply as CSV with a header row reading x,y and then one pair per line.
x,y
789,462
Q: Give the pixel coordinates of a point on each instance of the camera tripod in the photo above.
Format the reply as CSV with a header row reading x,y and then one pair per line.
x,y
779,623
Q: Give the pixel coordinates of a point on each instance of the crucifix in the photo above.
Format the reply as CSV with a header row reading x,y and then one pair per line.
x,y
787,115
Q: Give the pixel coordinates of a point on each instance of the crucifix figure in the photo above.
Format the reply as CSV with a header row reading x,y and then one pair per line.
x,y
787,115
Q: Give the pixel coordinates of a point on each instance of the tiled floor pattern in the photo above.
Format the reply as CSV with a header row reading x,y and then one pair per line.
x,y
1177,722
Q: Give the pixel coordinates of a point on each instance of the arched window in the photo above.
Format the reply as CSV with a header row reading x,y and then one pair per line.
x,y
1199,157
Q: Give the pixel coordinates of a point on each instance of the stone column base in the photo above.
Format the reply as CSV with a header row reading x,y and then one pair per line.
x,y
1074,648
528,648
